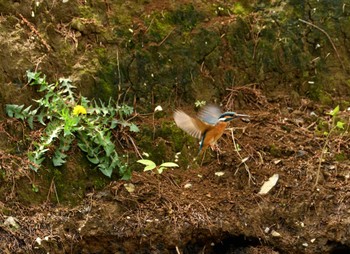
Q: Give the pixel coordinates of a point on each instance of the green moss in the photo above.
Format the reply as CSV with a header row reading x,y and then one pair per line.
x,y
107,75
340,157
325,98
67,184
169,144
275,151
159,28
86,12
239,9
186,17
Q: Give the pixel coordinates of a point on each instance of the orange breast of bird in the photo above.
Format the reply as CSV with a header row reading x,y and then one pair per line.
x,y
213,134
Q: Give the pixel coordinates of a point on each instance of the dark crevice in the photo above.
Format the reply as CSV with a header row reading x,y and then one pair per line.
x,y
338,248
227,244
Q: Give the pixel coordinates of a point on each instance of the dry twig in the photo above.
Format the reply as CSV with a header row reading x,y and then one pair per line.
x,y
35,31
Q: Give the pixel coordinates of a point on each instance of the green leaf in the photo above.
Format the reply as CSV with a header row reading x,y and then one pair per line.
x,y
126,110
169,165
26,110
58,158
93,160
104,166
335,111
40,118
126,173
109,148
149,167
105,171
35,188
83,146
114,123
11,109
14,110
36,158
147,162
340,125
160,170
31,75
30,122
134,128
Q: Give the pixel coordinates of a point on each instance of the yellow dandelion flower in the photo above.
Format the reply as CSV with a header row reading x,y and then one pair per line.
x,y
79,110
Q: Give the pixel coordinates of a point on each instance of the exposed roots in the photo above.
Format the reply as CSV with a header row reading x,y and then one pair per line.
x,y
248,95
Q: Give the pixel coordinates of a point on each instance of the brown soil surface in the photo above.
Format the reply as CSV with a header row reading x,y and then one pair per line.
x,y
196,211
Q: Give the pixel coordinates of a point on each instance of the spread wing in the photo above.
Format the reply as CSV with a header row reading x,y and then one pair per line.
x,y
210,114
192,126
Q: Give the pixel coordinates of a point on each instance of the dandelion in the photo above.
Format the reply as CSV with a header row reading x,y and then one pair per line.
x,y
79,110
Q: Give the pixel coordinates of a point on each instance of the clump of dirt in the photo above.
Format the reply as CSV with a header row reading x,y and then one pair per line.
x,y
213,208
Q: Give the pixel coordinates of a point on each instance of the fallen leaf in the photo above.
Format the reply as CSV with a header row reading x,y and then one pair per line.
x,y
129,187
275,233
269,184
245,159
188,185
219,173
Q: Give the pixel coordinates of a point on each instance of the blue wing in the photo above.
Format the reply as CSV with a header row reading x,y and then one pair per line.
x,y
210,114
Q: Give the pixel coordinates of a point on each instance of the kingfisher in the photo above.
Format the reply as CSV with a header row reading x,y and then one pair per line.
x,y
208,126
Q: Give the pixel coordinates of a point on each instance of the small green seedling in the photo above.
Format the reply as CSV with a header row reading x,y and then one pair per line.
x,y
199,103
334,125
150,165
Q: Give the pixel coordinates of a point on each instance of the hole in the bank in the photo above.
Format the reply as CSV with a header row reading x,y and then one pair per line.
x,y
338,248
230,243
227,244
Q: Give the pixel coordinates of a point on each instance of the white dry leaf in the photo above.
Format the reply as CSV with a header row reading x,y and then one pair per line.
x,y
245,159
158,108
275,233
219,173
269,184
276,161
188,185
38,240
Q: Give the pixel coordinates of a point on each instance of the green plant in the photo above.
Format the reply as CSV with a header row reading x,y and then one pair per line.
x,y
199,103
334,125
150,165
67,117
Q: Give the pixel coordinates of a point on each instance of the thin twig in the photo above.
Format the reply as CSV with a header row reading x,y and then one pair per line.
x,y
329,38
250,177
34,30
321,157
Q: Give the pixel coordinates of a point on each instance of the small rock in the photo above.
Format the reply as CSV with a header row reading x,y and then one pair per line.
x,y
301,153
12,222
188,185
